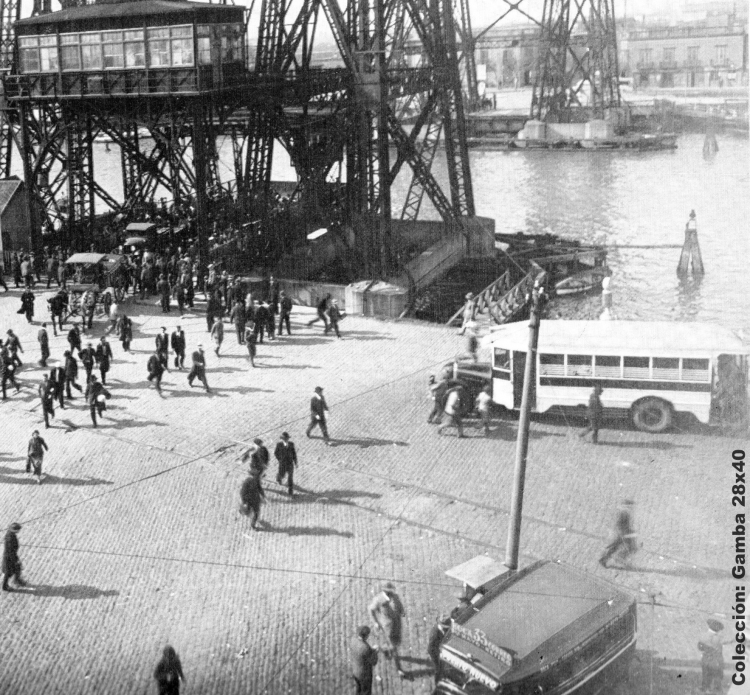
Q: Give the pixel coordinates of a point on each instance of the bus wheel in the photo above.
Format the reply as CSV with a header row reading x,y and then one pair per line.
x,y
651,415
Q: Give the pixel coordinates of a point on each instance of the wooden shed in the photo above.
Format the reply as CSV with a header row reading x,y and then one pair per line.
x,y
15,228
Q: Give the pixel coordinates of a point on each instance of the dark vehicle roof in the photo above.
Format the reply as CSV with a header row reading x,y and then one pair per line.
x,y
538,615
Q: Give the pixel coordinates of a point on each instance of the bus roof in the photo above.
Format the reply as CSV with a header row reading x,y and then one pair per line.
x,y
621,337
543,613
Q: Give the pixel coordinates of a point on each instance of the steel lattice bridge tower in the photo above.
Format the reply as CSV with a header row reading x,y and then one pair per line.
x,y
577,75
168,80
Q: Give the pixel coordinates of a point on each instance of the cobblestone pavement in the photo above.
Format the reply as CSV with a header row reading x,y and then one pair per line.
x,y
134,539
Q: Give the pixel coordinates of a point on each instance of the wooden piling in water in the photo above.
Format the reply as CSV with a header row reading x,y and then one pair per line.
x,y
691,251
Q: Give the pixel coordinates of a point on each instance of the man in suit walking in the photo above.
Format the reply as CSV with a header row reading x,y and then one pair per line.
x,y
251,496
88,358
96,396
364,658
11,561
318,408
71,372
43,339
47,398
286,455
104,357
74,339
178,346
155,369
285,312
162,348
258,455
57,379
198,370
237,317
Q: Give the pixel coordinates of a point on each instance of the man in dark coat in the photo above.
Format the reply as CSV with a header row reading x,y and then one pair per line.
x,y
322,312
318,408
437,635
286,455
88,359
27,305
285,312
57,379
162,347
258,455
164,290
262,315
56,309
74,339
96,396
155,370
43,339
237,317
251,495
364,658
198,370
35,455
71,372
594,412
623,536
178,346
47,398
334,316
104,357
13,346
11,561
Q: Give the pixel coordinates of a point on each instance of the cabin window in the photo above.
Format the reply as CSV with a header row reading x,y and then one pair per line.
x,y
695,370
48,53
158,48
29,50
91,51
114,53
667,368
607,366
135,49
182,45
579,365
502,364
552,365
636,368
70,51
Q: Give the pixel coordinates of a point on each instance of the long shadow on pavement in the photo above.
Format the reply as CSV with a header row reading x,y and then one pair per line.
x,y
305,530
70,591
334,496
366,442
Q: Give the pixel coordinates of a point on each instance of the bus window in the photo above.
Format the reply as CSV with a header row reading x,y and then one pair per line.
x,y
552,365
579,365
607,366
695,370
666,368
636,368
502,364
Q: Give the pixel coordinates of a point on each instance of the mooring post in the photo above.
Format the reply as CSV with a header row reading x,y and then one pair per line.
x,y
691,251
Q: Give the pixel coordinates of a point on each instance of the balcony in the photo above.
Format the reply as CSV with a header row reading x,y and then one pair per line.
x,y
668,65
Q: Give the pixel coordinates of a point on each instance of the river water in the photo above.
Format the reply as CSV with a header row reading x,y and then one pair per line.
x,y
622,198
617,198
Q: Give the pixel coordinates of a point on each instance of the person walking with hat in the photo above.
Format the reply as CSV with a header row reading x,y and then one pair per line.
x,y
47,399
318,409
11,562
334,317
712,658
198,370
43,339
88,358
178,347
126,332
437,635
13,346
27,305
285,313
251,340
387,611
155,369
217,335
96,397
286,455
74,338
104,357
251,497
452,411
168,672
161,342
165,292
469,312
238,318
35,455
363,660
71,373
623,536
594,413
322,309
258,455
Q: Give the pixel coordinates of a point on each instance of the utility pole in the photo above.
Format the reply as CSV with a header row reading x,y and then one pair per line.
x,y
522,441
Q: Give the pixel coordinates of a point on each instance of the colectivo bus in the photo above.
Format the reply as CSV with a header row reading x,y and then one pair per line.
x,y
651,369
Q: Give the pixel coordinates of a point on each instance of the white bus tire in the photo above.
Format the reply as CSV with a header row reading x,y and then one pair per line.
x,y
652,415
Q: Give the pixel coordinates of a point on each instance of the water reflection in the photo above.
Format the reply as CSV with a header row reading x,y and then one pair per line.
x,y
689,299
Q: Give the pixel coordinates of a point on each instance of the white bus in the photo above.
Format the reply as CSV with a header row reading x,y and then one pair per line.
x,y
651,369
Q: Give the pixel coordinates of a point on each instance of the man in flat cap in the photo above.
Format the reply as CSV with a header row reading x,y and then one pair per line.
x,y
11,561
318,408
364,658
712,659
286,455
437,635
387,611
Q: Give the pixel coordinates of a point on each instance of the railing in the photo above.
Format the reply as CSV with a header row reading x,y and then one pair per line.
x,y
516,298
488,296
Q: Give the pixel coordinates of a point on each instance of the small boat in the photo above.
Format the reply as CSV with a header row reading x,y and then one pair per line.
x,y
578,283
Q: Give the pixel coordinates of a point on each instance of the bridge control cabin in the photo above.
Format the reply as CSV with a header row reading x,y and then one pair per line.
x,y
130,47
